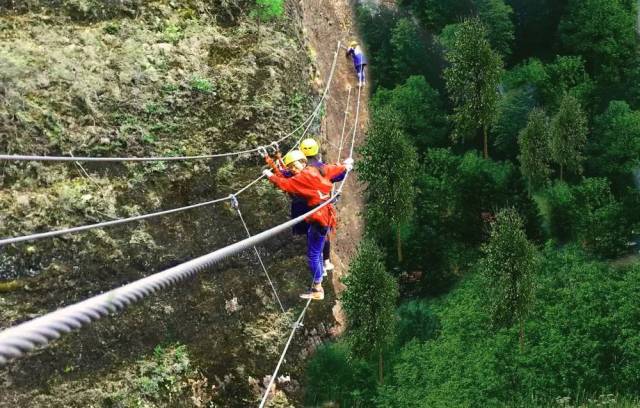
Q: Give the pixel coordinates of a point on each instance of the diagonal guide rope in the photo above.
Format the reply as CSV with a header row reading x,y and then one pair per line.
x,y
235,204
309,119
297,324
49,234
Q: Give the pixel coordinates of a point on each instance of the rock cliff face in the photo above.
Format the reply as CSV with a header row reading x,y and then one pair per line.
x,y
134,78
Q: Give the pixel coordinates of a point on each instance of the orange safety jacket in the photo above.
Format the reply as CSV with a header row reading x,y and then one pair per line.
x,y
315,188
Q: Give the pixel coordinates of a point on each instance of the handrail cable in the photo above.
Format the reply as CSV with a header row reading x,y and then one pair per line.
x,y
18,157
297,323
49,234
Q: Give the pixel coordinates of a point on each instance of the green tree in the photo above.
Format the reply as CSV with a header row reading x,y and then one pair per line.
x,y
409,53
614,151
568,135
267,10
497,17
435,14
599,222
472,80
389,165
534,150
508,266
603,31
512,115
369,303
420,111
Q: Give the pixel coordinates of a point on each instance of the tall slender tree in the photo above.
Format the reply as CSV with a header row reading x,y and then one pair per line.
x,y
508,266
534,150
568,135
389,166
369,302
472,80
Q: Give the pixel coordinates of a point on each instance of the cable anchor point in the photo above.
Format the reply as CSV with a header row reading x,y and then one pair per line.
x,y
234,201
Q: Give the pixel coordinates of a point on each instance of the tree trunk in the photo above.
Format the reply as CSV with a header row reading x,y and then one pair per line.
x,y
521,336
380,369
486,143
399,244
561,171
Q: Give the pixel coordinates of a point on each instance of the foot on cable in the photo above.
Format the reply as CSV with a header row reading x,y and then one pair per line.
x,y
328,266
313,294
324,272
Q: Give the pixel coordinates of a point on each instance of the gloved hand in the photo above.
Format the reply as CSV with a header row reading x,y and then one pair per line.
x,y
348,163
267,173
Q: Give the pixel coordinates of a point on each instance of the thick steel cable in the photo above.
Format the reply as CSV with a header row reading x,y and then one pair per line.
x,y
296,325
18,157
235,204
36,236
25,337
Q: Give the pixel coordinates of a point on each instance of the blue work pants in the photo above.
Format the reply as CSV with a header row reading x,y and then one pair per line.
x,y
316,236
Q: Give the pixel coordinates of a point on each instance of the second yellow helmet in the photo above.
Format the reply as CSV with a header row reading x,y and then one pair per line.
x,y
309,147
293,156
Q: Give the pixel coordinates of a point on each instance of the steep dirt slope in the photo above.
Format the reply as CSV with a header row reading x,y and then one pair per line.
x,y
326,22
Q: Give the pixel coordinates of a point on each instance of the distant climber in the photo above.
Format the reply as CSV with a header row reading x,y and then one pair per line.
x,y
359,61
314,186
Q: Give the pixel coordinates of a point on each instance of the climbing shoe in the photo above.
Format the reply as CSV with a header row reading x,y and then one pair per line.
x,y
328,266
314,294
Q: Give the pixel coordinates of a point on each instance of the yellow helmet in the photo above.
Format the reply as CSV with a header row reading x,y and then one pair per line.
x,y
292,156
309,147
353,44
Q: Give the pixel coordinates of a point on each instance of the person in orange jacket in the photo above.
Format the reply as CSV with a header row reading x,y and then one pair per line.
x,y
307,182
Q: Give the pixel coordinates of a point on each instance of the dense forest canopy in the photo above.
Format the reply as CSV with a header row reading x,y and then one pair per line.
x,y
512,129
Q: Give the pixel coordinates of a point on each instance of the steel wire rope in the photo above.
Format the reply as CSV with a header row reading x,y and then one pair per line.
x,y
344,126
39,332
49,234
236,205
19,157
297,323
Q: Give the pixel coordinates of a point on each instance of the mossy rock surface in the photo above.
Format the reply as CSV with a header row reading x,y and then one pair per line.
x,y
138,78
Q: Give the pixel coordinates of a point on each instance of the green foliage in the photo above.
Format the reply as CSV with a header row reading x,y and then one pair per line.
x,y
497,17
377,30
435,14
456,198
568,136
369,303
334,375
409,54
513,110
388,166
536,27
614,150
266,10
472,80
508,267
589,213
534,150
582,342
200,84
419,109
603,31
